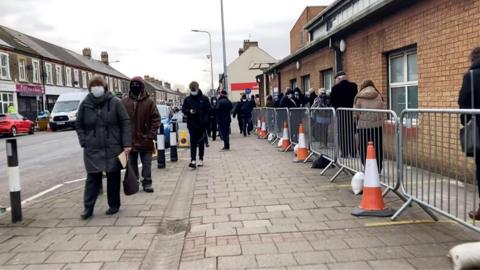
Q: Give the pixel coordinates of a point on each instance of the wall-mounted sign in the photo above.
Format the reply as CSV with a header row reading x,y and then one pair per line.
x,y
30,90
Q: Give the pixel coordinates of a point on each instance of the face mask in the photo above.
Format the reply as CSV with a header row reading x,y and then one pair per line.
x,y
135,89
244,99
98,91
289,95
297,96
194,93
214,102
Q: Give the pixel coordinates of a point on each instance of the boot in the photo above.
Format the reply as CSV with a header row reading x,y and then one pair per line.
x,y
111,211
475,214
87,213
148,188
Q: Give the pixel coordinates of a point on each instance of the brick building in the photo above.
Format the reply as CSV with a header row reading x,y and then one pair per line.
x,y
33,72
415,51
162,93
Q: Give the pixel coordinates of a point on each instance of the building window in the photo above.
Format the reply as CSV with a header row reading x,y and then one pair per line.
x,y
90,76
84,79
36,71
22,76
110,83
49,73
327,77
120,85
76,78
403,81
58,70
293,84
306,83
6,99
4,67
68,76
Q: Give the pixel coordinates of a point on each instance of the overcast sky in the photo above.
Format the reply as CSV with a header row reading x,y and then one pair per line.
x,y
151,37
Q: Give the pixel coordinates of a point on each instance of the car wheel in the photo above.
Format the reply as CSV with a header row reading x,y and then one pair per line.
x,y
14,132
32,130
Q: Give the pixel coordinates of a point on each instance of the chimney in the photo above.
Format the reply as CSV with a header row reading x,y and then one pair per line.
x,y
87,52
160,83
104,57
146,78
167,85
240,51
247,44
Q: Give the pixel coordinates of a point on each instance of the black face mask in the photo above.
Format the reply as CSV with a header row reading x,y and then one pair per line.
x,y
135,89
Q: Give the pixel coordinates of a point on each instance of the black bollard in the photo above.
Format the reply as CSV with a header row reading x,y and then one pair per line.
x,y
161,148
173,143
14,180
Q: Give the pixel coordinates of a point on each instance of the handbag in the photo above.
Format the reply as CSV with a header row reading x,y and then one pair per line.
x,y
469,135
130,181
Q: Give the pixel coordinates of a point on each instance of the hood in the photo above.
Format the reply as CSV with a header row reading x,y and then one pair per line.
x,y
368,93
475,65
143,93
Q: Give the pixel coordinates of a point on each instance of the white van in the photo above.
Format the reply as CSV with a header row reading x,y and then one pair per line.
x,y
64,113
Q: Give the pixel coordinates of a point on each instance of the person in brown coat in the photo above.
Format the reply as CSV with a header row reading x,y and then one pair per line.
x,y
144,122
369,124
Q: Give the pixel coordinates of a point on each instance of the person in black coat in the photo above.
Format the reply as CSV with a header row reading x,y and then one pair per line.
x,y
223,110
278,99
465,102
103,129
342,96
299,97
212,128
244,112
196,107
288,100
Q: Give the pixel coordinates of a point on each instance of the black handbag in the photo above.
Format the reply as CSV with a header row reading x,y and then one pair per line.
x,y
469,134
130,182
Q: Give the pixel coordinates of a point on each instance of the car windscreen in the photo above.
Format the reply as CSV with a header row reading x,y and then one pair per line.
x,y
163,111
66,106
3,117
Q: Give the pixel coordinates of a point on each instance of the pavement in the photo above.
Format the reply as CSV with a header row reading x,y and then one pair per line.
x,y
249,208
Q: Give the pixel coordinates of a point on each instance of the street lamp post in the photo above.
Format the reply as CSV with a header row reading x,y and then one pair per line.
x,y
211,56
225,75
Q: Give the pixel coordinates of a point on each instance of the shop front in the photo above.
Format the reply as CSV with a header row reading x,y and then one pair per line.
x,y
7,96
30,100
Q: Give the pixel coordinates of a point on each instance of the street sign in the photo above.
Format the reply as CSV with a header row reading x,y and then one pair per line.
x,y
248,91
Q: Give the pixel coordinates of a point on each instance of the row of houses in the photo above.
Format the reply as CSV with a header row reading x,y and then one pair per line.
x,y
34,73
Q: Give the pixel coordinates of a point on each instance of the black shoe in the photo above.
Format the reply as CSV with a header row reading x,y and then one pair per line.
x,y
225,149
111,211
148,188
192,164
87,213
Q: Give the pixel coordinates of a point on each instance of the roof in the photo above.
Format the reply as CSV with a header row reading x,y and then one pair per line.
x,y
251,50
4,44
32,45
158,87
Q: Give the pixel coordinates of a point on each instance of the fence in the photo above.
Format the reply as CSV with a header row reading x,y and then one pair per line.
x,y
419,155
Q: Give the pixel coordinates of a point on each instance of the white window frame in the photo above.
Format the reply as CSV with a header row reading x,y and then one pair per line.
x,y
90,76
58,72
22,72
84,79
76,78
35,71
6,68
110,83
49,73
68,76
406,83
120,85
7,102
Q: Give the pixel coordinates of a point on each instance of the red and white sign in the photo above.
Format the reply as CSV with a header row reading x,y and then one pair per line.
x,y
30,89
244,86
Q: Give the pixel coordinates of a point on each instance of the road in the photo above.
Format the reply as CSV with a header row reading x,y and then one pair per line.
x,y
45,160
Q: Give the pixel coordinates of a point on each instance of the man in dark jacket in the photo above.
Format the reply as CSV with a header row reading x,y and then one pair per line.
x,y
244,110
144,121
103,131
342,96
465,102
197,109
288,101
223,110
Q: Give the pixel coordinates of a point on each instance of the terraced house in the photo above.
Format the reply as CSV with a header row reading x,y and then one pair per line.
x,y
33,72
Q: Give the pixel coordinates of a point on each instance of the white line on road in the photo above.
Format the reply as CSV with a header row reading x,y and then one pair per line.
x,y
74,181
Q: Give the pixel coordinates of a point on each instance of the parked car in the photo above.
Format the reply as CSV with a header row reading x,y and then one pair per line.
x,y
166,115
14,123
64,113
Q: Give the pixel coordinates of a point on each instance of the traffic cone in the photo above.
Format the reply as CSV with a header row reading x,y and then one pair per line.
x,y
259,126
263,131
372,200
302,152
285,140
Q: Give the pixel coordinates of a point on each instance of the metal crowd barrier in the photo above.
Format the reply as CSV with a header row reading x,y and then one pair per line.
x,y
281,116
296,117
323,136
256,113
355,128
270,120
435,173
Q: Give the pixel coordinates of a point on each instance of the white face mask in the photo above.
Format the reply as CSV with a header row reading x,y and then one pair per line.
x,y
98,91
194,93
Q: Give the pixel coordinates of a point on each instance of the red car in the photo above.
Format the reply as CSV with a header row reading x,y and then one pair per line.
x,y
14,123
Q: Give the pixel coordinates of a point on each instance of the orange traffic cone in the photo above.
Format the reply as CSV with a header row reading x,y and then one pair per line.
x,y
263,131
372,199
259,126
285,140
302,153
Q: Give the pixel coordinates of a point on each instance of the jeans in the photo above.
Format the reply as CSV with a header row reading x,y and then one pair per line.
x,y
224,133
374,135
146,159
92,188
244,122
197,138
212,131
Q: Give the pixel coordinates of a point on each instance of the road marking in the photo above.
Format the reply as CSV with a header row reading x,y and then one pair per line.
x,y
74,181
405,222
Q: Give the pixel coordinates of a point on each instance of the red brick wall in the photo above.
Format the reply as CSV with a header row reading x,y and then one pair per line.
x,y
298,31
